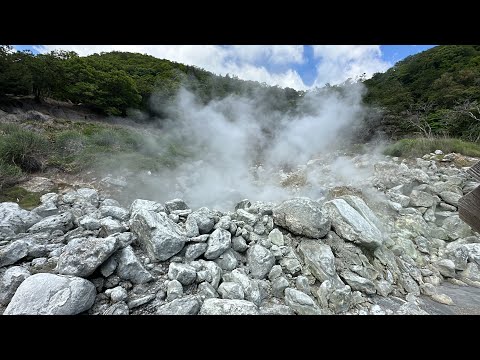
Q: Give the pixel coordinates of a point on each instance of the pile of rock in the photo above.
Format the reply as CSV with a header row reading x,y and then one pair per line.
x,y
82,253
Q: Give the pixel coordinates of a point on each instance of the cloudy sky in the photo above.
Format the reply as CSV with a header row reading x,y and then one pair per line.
x,y
297,66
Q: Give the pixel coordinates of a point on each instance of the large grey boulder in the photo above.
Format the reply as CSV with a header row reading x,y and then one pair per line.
x,y
352,226
473,251
10,281
204,218
14,219
302,216
176,204
115,212
63,222
260,261
49,294
188,305
450,197
14,251
231,290
421,198
359,283
446,267
301,303
130,268
159,235
183,273
148,205
456,228
88,195
228,307
82,256
319,259
218,242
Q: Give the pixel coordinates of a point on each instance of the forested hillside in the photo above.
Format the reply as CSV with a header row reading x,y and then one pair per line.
x,y
436,92
111,83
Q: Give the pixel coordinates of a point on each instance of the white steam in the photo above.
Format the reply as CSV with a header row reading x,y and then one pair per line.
x,y
239,148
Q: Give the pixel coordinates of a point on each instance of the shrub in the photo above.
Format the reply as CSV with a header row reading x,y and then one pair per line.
x,y
25,149
420,146
70,142
9,174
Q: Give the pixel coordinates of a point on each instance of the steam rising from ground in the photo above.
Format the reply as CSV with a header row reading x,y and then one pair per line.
x,y
239,149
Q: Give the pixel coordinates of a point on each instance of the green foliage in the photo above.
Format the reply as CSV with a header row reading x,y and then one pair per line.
x,y
25,149
114,82
26,199
9,174
437,81
420,146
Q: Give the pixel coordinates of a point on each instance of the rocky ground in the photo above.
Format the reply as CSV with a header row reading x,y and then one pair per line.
x,y
391,242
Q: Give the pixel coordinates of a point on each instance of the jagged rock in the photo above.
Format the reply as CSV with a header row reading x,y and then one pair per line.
x,y
290,264
231,290
239,244
49,294
227,261
276,309
218,242
129,268
340,300
90,223
456,228
250,287
140,204
214,272
191,227
279,285
109,266
14,219
110,202
244,204
174,290
421,198
188,305
446,267
204,219
119,308
111,226
410,308
10,281
471,272
260,261
228,307
184,273
450,197
276,237
301,283
13,252
246,217
193,251
224,223
159,235
82,256
275,272
115,212
206,291
358,283
301,303
350,225
63,222
117,294
88,195
302,216
473,252
176,204
459,256
139,301
319,259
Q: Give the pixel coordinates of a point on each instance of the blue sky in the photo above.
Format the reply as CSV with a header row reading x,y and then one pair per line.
x,y
296,66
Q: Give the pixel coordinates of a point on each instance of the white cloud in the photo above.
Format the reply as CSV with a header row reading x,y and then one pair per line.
x,y
336,63
240,60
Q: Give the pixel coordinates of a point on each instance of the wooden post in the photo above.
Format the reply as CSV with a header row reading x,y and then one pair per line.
x,y
469,204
